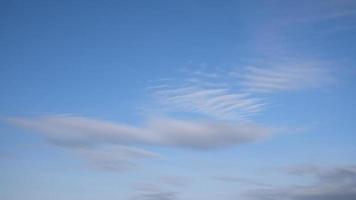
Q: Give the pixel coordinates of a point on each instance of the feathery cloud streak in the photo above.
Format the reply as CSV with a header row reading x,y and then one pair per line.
x,y
215,102
285,78
241,93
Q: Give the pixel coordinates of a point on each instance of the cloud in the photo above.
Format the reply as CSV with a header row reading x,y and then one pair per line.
x,y
114,157
217,102
206,134
156,196
335,183
239,94
285,77
155,184
72,131
113,146
240,180
160,187
327,11
176,181
94,142
208,93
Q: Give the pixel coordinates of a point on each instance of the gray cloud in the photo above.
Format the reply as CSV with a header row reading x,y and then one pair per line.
x,y
330,184
176,181
206,134
159,183
240,180
156,196
160,188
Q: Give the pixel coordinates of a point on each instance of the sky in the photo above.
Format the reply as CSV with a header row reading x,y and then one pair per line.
x,y
178,100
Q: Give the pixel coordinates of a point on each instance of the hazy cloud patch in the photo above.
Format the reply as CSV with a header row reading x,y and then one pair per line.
x,y
330,184
241,180
156,196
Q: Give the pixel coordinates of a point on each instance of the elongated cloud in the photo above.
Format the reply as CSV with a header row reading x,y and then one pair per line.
x,y
112,146
114,157
240,180
79,131
157,196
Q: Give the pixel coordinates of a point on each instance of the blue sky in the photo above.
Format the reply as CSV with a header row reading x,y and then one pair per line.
x,y
178,100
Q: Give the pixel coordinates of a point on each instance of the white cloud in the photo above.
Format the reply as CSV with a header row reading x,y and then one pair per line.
x,y
73,131
240,93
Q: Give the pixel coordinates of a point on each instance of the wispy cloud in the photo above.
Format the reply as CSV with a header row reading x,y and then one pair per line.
x,y
328,10
285,77
209,93
216,102
240,93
